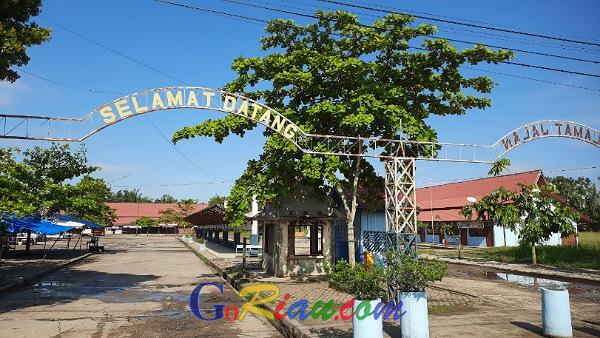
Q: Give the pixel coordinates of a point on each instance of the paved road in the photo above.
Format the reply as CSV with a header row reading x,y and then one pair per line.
x,y
139,288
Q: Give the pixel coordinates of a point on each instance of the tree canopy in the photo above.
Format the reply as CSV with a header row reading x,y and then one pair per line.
x,y
132,196
581,193
338,77
17,33
178,214
40,181
533,213
217,200
166,198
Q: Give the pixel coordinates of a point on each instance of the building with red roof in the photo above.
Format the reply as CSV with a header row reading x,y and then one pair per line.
x,y
128,213
442,204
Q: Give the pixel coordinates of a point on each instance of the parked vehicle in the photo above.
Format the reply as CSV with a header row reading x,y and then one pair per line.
x,y
21,238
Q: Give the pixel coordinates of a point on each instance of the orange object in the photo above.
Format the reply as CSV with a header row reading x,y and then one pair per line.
x,y
368,258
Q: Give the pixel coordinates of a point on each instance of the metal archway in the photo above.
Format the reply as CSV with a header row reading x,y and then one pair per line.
x,y
544,129
399,155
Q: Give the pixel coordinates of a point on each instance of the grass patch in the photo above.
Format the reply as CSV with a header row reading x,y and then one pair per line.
x,y
583,256
589,238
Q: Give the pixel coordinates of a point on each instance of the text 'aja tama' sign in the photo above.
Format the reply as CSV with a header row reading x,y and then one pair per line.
x,y
199,99
548,129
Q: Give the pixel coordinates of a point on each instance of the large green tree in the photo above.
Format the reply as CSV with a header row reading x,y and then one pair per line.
x,y
87,200
533,213
166,198
178,214
217,200
15,195
131,196
40,181
17,33
581,193
335,76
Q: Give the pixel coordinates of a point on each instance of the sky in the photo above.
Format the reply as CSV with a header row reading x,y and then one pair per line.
x,y
198,48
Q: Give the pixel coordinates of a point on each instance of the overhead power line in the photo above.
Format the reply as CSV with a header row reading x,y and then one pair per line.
x,y
171,184
260,20
433,36
469,20
532,79
512,31
177,149
444,27
64,84
132,59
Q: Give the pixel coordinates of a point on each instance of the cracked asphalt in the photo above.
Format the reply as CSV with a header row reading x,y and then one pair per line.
x,y
139,287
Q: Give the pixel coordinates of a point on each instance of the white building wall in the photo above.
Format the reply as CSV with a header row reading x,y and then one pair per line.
x,y
512,238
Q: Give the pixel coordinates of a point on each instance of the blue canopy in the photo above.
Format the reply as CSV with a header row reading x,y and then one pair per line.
x,y
66,218
19,224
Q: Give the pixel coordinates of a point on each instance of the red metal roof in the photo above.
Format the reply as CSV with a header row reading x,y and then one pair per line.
x,y
128,213
444,201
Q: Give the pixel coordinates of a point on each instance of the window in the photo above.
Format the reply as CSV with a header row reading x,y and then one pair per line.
x,y
305,239
477,232
269,238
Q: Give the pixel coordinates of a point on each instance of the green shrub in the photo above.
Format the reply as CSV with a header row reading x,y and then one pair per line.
x,y
410,275
357,281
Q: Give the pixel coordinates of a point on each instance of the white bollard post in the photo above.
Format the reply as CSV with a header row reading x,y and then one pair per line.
x,y
556,313
415,322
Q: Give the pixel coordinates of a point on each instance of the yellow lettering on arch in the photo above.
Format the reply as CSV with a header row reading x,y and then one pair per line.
x,y
290,131
265,118
137,107
208,96
192,99
278,123
229,103
107,114
157,101
255,109
174,101
243,110
123,108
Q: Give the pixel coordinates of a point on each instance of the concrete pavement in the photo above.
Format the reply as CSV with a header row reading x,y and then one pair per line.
x,y
139,288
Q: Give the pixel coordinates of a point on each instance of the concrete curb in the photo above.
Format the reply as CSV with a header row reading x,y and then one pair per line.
x,y
5,289
539,271
287,327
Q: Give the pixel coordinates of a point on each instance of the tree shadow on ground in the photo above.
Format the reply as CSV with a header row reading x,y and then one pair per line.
x,y
529,327
68,285
39,254
392,328
332,332
589,330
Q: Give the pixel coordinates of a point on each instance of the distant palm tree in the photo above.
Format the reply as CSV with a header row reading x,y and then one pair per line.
x,y
133,195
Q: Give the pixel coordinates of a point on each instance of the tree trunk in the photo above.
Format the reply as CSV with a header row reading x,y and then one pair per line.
x,y
533,254
352,213
504,233
28,243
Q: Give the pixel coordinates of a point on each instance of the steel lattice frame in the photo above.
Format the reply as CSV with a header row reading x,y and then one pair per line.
x,y
400,196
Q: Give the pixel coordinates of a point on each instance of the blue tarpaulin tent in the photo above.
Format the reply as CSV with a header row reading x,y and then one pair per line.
x,y
20,224
87,224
